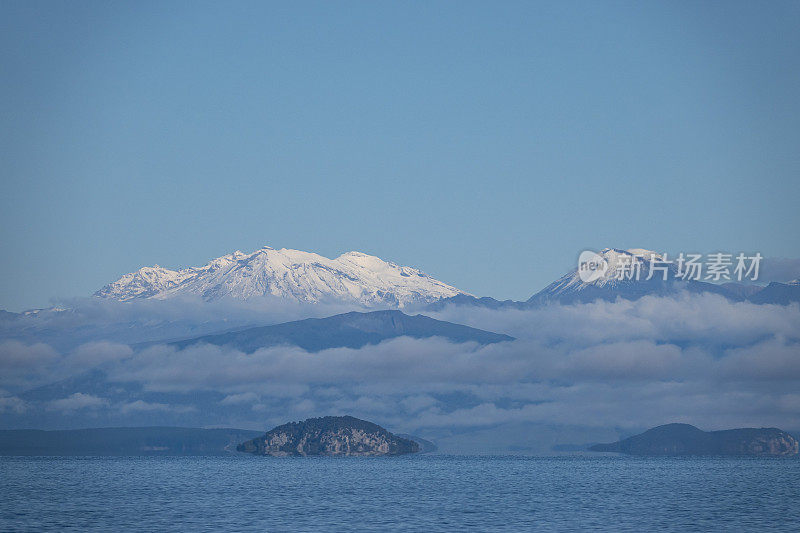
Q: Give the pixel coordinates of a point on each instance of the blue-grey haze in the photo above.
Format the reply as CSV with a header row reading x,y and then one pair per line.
x,y
486,143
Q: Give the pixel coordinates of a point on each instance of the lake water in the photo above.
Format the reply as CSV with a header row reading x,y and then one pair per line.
x,y
412,493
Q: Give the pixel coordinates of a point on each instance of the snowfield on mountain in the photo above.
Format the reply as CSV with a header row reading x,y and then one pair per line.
x,y
354,278
655,276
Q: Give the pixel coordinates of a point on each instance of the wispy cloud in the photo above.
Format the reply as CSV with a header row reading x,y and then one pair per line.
x,y
76,402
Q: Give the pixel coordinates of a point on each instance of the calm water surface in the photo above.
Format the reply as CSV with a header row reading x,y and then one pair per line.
x,y
412,493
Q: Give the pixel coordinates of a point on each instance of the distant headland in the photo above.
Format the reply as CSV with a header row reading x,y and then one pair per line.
x,y
684,439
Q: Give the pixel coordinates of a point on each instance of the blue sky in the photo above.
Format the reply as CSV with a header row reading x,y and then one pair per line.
x,y
486,143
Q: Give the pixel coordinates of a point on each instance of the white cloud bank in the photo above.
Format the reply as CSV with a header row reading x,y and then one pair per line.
x,y
695,358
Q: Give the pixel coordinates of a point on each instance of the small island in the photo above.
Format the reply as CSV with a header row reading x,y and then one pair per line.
x,y
331,436
684,439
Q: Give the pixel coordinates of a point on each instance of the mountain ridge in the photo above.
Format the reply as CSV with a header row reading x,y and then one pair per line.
x,y
685,439
368,282
353,277
665,280
122,441
572,288
352,330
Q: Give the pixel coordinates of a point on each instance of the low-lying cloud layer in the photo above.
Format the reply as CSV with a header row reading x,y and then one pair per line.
x,y
696,358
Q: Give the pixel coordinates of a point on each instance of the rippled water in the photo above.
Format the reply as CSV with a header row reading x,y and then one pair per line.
x,y
415,493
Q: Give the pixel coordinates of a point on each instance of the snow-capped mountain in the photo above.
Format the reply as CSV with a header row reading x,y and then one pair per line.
x,y
353,278
627,274
778,293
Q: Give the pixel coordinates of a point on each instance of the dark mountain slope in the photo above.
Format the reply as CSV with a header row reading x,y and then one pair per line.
x,y
352,330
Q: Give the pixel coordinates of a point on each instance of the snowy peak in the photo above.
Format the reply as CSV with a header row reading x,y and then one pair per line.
x,y
638,252
619,270
144,283
353,278
620,263
628,274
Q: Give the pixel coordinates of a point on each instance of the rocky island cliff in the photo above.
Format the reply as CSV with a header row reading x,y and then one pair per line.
x,y
684,439
329,435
